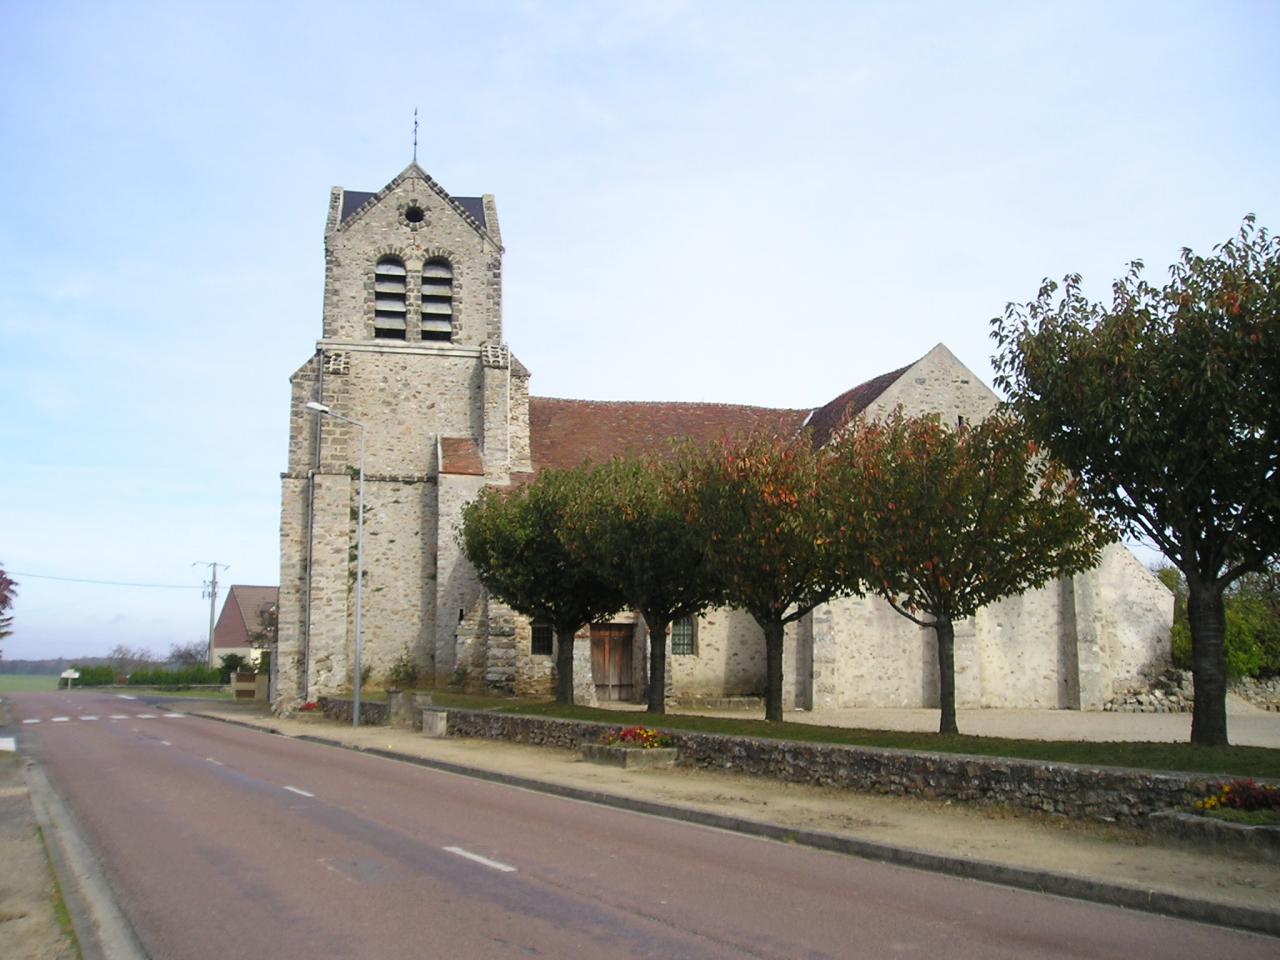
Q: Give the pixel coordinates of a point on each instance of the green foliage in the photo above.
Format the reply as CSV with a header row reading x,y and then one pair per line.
x,y
403,673
516,540
1164,406
629,526
182,677
764,506
230,663
103,676
1252,638
951,520
943,522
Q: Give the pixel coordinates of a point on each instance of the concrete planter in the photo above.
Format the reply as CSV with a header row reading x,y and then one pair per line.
x,y
629,758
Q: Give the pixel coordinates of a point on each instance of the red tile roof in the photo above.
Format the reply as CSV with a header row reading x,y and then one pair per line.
x,y
566,433
460,455
240,614
828,420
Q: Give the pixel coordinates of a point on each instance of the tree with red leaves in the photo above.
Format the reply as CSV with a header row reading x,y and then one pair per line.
x,y
950,520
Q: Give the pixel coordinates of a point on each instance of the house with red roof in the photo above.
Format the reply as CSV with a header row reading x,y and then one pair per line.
x,y
247,614
412,373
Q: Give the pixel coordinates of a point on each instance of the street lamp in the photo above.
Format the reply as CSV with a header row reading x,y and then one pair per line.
x,y
324,411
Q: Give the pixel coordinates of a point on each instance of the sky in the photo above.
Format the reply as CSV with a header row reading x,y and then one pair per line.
x,y
743,202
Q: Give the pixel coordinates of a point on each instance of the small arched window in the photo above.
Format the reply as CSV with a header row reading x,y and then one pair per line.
x,y
437,300
389,299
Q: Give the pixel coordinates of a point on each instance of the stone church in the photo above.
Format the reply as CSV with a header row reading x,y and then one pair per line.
x,y
412,351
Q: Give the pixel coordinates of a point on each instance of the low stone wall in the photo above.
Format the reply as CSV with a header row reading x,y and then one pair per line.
x,y
1110,794
372,714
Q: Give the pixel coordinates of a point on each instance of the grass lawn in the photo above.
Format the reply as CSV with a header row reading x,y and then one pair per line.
x,y
1182,757
28,682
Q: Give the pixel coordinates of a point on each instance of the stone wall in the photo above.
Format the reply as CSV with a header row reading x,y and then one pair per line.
x,y
380,228
1070,790
372,713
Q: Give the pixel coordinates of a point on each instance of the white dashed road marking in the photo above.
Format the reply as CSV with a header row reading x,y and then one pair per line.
x,y
166,743
125,696
88,716
483,861
175,716
119,716
31,720
216,763
301,793
146,716
59,719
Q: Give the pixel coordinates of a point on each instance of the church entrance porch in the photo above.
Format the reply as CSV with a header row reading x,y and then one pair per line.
x,y
611,661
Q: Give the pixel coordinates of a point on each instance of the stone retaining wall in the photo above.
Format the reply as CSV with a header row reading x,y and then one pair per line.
x,y
372,714
1070,790
1110,794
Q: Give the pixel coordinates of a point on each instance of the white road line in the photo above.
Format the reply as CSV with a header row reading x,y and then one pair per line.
x,y
7,745
125,696
216,763
119,716
59,719
31,720
484,861
301,793
146,716
166,743
88,716
175,716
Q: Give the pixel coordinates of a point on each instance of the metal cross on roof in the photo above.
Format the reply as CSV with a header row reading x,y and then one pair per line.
x,y
415,134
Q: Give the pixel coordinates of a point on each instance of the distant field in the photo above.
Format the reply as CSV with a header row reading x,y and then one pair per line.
x,y
27,682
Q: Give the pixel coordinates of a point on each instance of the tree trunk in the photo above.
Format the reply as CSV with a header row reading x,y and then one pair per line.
x,y
1207,616
946,632
773,633
564,664
657,666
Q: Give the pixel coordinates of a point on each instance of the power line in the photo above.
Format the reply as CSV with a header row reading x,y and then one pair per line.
x,y
109,583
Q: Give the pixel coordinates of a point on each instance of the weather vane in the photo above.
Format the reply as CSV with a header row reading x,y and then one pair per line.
x,y
415,134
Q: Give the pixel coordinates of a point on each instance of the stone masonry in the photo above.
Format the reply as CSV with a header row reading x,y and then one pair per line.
x,y
412,349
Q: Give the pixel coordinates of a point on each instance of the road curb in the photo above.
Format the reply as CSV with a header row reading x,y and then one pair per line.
x,y
103,931
1252,919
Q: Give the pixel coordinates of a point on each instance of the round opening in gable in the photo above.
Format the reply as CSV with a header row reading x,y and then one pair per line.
x,y
414,214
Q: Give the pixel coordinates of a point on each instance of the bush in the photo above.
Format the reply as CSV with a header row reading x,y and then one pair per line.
x,y
102,676
1252,627
183,676
403,673
232,663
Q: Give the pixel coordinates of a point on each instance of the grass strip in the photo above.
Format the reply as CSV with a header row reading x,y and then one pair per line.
x,y
60,911
1178,757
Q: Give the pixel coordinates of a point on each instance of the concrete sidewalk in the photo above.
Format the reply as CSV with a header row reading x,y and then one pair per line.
x,y
1103,863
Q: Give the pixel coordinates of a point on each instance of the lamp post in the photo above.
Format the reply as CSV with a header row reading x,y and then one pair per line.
x,y
324,411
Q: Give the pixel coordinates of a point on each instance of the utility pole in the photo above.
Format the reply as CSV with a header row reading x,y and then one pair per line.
x,y
211,591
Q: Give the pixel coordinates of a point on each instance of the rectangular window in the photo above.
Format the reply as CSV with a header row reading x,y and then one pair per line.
x,y
541,641
682,637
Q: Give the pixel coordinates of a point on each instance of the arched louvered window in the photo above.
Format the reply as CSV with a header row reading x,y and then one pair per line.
x,y
437,300
389,320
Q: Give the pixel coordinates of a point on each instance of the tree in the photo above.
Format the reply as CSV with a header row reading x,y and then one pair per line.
x,y
190,654
763,506
124,660
630,528
1251,614
515,539
951,520
8,590
1166,406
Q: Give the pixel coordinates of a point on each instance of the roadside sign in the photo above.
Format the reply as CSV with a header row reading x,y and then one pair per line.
x,y
70,674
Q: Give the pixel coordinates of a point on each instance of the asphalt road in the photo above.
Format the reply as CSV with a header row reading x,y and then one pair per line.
x,y
219,841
